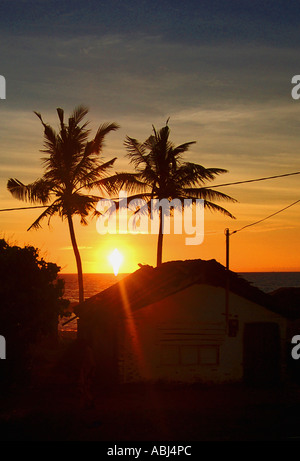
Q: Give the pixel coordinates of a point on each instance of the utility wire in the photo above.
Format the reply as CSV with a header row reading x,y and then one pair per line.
x,y
264,219
253,180
25,208
203,187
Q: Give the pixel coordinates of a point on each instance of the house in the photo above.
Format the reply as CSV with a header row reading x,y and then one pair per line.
x,y
289,297
173,323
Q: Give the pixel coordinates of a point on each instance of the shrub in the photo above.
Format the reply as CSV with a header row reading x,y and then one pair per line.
x,y
31,300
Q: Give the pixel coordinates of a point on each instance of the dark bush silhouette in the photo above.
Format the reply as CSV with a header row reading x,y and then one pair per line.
x,y
31,300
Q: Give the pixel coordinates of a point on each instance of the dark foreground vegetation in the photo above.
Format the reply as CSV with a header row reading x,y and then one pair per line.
x,y
31,301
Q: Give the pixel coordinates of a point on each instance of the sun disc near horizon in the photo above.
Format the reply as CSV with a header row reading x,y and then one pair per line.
x,y
116,259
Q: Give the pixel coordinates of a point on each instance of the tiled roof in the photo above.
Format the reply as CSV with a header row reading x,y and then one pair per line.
x,y
148,285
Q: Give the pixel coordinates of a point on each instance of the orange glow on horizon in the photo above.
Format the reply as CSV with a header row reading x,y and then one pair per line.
x,y
268,247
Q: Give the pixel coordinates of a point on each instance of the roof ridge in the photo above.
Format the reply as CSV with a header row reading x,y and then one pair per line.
x,y
150,284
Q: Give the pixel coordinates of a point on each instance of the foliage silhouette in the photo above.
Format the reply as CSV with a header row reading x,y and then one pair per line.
x,y
73,169
31,300
161,173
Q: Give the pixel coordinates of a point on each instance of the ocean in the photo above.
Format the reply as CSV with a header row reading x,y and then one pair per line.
x,y
271,281
94,283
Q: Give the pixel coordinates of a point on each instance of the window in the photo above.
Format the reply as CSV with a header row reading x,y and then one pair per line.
x,y
189,355
209,355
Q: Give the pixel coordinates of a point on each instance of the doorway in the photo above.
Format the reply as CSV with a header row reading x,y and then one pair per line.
x,y
261,353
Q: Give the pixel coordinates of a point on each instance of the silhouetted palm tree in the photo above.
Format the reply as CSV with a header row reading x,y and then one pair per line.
x,y
73,167
164,174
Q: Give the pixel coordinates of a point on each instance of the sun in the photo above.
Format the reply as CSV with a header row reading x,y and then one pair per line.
x,y
115,259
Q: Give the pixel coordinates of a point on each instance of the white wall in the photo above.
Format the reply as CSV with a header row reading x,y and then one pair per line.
x,y
162,341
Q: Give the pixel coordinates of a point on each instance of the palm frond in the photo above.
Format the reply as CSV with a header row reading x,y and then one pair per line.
x,y
78,204
160,166
189,174
89,179
60,113
79,113
130,181
50,136
214,207
207,194
136,152
49,212
39,116
150,175
91,150
113,184
182,148
37,192
102,131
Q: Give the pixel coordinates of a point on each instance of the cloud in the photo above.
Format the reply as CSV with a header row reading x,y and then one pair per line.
x,y
191,21
233,99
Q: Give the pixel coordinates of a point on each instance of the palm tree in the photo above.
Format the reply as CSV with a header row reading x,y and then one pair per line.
x,y
73,167
161,173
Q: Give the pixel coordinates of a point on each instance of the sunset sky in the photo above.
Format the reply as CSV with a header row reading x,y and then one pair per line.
x,y
221,70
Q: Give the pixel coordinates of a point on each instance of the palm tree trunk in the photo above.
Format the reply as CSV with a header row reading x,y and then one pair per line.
x,y
78,259
160,239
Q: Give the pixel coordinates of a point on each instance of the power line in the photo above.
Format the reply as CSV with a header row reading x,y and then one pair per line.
x,y
253,180
264,219
24,208
203,187
228,234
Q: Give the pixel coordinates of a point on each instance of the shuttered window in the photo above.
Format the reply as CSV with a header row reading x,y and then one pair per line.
x,y
189,355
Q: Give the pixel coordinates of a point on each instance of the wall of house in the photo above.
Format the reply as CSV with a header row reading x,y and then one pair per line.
x,y
100,333
182,338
